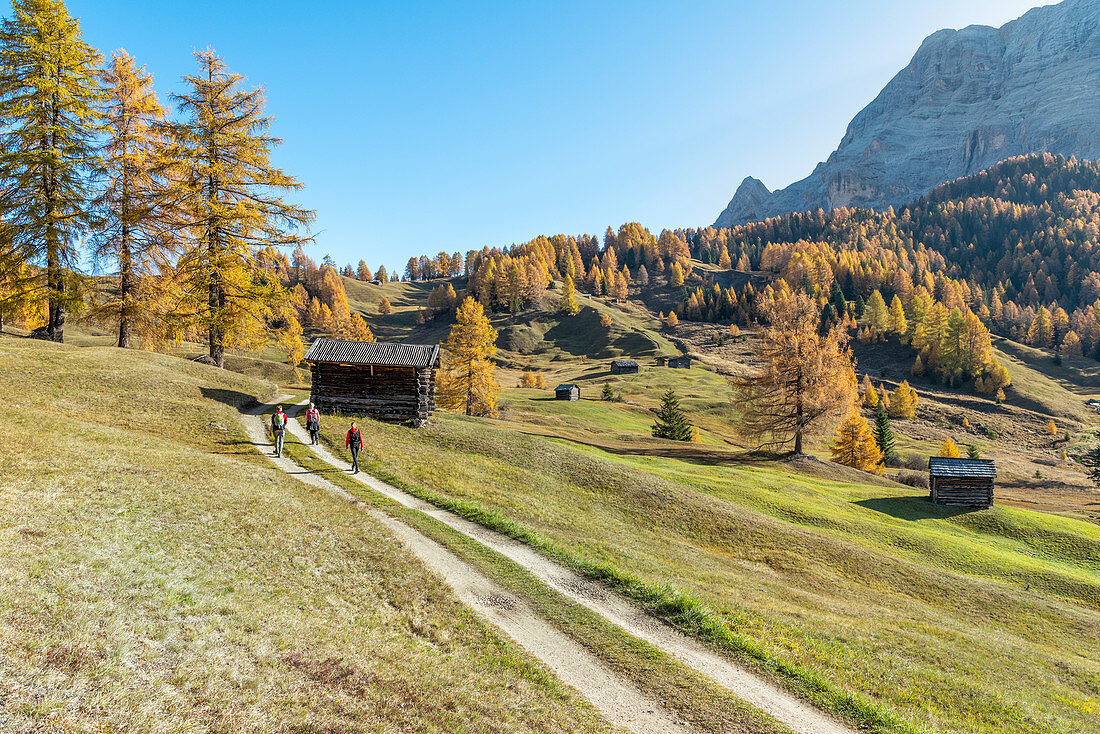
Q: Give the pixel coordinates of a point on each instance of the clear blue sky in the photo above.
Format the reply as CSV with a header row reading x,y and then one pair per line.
x,y
419,127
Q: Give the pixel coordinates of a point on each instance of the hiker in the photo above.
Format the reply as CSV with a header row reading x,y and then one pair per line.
x,y
313,424
354,441
278,429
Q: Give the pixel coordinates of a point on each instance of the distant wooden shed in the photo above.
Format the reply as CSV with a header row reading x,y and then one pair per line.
x,y
380,380
567,392
961,482
624,367
660,361
683,362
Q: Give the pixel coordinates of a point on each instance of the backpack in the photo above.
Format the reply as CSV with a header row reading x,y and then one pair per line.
x,y
278,421
356,438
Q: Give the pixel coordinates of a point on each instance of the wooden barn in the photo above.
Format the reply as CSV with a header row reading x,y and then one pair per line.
x,y
660,361
624,367
683,362
961,482
567,392
390,382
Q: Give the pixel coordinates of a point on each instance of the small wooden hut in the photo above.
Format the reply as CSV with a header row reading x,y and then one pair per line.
x,y
624,367
390,382
660,361
683,362
961,482
567,392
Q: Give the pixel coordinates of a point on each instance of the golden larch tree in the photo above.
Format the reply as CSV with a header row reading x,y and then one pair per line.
x,y
49,120
231,206
949,449
903,402
855,446
466,381
135,236
807,380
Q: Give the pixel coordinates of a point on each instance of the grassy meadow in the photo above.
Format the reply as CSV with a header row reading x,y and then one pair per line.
x,y
156,574
856,591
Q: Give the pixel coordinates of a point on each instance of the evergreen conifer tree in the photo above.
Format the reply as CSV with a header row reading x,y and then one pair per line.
x,y
884,435
671,421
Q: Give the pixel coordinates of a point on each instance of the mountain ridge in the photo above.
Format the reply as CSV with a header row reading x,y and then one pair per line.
x,y
968,99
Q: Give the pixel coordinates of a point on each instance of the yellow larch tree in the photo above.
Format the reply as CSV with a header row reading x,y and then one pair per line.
x,y
903,401
230,206
135,237
807,380
949,449
466,381
855,446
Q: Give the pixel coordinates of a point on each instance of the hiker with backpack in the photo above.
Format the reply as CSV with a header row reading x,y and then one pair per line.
x,y
278,429
313,424
354,441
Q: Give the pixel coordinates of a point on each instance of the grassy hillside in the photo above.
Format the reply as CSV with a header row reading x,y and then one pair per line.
x,y
854,591
156,569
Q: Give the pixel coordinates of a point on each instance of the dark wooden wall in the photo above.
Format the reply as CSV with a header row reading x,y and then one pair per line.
x,y
398,394
961,491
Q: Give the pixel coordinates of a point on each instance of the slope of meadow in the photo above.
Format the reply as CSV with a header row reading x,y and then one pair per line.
x,y
955,621
157,575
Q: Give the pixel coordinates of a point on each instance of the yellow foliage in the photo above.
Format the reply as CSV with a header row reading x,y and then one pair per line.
x,y
949,450
672,321
854,445
1052,428
903,403
466,381
384,307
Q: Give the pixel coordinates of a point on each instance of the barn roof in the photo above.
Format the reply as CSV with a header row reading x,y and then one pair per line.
x,y
624,363
939,466
568,386
375,353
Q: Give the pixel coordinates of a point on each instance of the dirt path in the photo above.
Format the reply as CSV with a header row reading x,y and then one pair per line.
x,y
787,708
618,700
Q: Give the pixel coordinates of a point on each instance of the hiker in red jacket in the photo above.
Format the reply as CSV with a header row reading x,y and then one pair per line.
x,y
313,424
278,429
354,441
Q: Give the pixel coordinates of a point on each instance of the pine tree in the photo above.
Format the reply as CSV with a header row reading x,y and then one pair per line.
x,y
671,421
362,272
384,307
949,450
230,205
135,235
608,393
807,379
884,435
877,316
675,275
972,452
467,382
855,446
568,297
672,321
870,397
49,117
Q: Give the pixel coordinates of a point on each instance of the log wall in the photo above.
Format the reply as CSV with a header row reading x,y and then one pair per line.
x,y
961,491
396,394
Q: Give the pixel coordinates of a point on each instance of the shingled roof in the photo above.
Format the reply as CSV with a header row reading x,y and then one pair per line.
x,y
939,466
376,353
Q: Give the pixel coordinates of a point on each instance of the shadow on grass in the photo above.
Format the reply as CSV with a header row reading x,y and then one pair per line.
x,y
232,398
914,508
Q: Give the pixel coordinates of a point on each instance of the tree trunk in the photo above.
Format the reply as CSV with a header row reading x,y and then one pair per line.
x,y
55,281
125,288
798,441
217,333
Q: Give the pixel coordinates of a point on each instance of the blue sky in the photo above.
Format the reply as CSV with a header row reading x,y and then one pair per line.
x,y
420,127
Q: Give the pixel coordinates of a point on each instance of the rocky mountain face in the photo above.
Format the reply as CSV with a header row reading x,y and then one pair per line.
x,y
967,100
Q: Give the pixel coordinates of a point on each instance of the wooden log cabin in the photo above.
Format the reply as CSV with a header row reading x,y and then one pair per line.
x,y
567,392
624,367
390,382
961,482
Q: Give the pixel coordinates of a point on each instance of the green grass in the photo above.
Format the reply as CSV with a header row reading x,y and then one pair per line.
x,y
156,573
866,598
679,689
